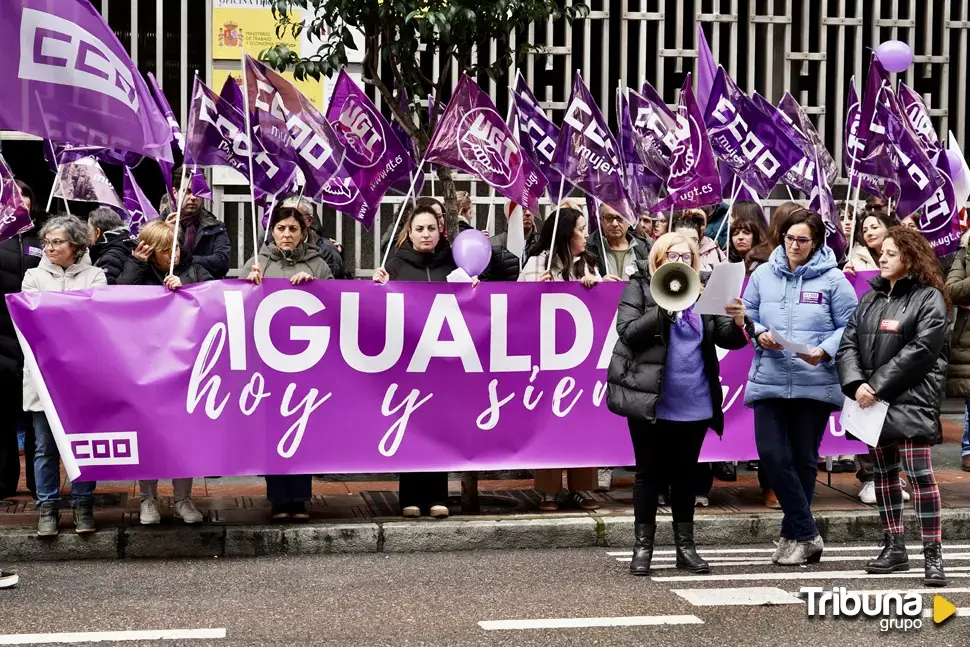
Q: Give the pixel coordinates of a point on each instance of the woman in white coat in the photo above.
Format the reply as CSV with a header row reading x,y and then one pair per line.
x,y
66,266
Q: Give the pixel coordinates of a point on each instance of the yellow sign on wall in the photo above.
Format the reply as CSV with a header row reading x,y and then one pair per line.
x,y
249,25
312,89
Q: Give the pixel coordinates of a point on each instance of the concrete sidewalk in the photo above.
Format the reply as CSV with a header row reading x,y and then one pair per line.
x,y
349,514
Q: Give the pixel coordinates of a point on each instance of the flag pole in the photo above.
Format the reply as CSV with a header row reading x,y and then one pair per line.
x,y
555,222
791,196
858,188
404,205
727,216
178,215
249,137
269,208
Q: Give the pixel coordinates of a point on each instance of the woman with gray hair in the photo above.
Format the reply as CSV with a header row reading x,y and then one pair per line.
x,y
66,266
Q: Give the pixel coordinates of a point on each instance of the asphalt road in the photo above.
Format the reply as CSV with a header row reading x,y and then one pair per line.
x,y
441,599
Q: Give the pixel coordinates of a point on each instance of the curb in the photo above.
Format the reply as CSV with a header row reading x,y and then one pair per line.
x,y
498,533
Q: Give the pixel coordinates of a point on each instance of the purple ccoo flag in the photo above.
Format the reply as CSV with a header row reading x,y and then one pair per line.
x,y
269,122
537,135
140,210
642,185
375,157
67,78
587,154
918,116
85,181
800,120
198,184
14,215
654,128
940,219
746,139
473,137
823,203
801,176
693,180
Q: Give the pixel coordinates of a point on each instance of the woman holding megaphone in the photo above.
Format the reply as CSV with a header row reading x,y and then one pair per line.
x,y
664,378
801,294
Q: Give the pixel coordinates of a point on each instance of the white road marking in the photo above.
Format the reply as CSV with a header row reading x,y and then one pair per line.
x,y
575,623
801,575
112,636
961,612
724,597
770,550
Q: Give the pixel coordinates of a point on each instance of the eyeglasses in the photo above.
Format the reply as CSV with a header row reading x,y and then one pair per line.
x,y
611,219
57,242
687,257
801,241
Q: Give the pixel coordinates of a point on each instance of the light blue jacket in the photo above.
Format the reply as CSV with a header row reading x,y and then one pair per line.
x,y
811,305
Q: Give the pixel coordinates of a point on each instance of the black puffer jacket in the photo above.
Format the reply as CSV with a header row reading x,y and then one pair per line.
x,y
137,272
112,252
898,344
211,247
409,265
17,255
635,377
504,265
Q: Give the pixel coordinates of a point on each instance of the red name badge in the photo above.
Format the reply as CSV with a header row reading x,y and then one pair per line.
x,y
891,325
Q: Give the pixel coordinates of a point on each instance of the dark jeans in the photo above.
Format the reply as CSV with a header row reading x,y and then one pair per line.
x,y
13,421
423,489
788,434
289,488
666,455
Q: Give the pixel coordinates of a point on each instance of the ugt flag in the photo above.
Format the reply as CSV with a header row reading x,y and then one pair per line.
x,y
587,153
140,210
918,115
693,180
14,215
375,157
198,184
940,218
867,164
473,137
85,181
66,77
746,139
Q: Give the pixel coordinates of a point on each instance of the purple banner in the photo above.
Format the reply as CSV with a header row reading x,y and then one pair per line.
x,y
333,377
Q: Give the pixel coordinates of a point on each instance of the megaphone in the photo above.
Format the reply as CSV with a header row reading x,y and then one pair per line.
x,y
675,286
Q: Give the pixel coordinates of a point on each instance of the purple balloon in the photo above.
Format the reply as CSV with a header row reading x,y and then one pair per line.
x,y
472,251
895,55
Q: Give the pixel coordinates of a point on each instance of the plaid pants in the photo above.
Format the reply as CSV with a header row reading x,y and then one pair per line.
x,y
915,460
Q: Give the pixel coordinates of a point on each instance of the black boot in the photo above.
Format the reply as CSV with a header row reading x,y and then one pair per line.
x,y
687,557
893,557
933,565
643,548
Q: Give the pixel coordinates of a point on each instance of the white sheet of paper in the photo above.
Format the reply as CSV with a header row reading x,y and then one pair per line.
x,y
459,276
864,424
721,290
792,347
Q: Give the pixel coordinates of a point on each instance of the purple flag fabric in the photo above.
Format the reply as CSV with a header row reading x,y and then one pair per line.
x,y
918,116
85,181
801,176
655,129
706,70
823,203
800,120
269,121
232,93
14,215
123,409
140,210
869,165
587,154
216,136
60,153
403,185
693,180
876,84
538,135
917,178
198,185
642,186
748,141
940,218
473,137
374,158
67,78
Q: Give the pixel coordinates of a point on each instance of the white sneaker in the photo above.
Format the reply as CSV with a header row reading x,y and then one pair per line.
x,y
902,484
868,493
187,512
701,501
438,511
8,580
411,512
604,479
149,515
